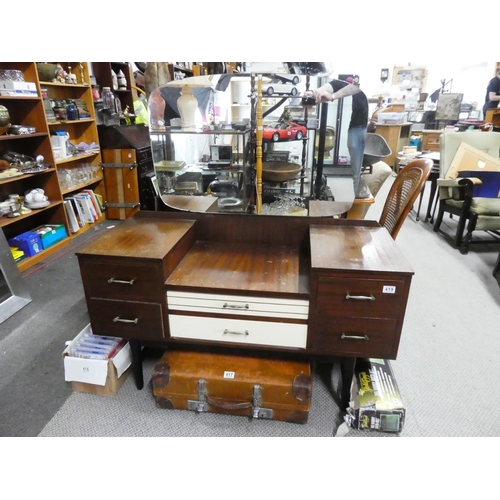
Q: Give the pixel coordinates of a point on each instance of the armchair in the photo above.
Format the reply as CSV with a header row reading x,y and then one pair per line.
x,y
457,196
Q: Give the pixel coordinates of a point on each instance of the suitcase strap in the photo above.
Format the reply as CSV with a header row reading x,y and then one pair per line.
x,y
228,405
204,400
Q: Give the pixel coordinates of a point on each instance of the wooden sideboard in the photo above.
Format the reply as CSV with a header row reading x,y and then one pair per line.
x,y
310,287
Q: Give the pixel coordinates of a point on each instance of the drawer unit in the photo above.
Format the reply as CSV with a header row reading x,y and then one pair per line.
x,y
238,331
132,320
431,140
358,337
360,297
125,281
237,305
359,292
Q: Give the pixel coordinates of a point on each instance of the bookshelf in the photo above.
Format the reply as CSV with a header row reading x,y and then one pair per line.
x,y
83,168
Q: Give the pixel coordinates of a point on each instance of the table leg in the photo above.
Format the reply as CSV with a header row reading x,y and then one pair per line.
x,y
432,194
347,370
420,202
135,347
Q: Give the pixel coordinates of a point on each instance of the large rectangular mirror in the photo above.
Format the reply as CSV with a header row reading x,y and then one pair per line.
x,y
14,294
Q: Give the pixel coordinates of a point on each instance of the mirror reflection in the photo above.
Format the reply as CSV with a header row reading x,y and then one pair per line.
x,y
14,294
250,143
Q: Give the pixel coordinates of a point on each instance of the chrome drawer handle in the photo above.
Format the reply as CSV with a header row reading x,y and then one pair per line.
x,y
113,280
226,331
120,320
354,337
231,306
359,297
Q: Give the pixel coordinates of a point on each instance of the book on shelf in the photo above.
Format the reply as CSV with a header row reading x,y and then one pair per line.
x,y
77,210
86,208
100,201
94,201
74,225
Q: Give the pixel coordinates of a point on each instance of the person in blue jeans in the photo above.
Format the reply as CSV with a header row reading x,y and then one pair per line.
x,y
356,134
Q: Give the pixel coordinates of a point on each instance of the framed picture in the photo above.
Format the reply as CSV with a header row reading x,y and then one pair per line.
x,y
448,107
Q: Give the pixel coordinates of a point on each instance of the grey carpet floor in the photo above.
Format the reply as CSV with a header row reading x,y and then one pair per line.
x,y
446,366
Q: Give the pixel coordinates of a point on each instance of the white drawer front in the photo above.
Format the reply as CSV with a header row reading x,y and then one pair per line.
x,y
239,331
233,304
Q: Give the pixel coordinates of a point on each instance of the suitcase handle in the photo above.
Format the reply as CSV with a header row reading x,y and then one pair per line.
x,y
228,405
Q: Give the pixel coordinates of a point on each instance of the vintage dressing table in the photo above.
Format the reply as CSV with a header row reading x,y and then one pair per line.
x,y
314,287
309,287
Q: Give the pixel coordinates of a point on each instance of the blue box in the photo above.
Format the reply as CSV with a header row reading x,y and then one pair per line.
x,y
50,234
29,242
490,187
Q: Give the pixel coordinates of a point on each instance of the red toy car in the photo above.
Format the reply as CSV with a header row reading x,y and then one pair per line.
x,y
280,131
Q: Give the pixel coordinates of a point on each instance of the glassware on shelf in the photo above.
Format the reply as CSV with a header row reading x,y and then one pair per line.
x,y
108,99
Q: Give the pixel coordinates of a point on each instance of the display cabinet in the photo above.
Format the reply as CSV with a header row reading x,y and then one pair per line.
x,y
102,71
58,176
81,168
28,110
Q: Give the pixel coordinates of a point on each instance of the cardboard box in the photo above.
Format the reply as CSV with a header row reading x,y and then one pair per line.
x,y
375,399
391,118
29,242
9,87
468,157
19,93
50,234
13,85
104,377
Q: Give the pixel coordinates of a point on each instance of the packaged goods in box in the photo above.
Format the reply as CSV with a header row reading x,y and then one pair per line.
x,y
375,399
29,242
10,87
50,234
391,118
94,374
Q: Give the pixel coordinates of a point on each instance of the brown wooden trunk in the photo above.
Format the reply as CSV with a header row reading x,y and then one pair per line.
x,y
232,384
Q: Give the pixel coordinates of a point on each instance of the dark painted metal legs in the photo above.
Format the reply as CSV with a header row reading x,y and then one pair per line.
x,y
135,347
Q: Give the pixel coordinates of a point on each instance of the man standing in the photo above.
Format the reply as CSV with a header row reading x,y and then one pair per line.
x,y
492,93
356,134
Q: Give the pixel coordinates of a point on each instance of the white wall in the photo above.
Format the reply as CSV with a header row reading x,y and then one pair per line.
x,y
469,78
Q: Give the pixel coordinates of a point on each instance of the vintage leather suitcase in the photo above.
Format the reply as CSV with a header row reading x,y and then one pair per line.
x,y
232,384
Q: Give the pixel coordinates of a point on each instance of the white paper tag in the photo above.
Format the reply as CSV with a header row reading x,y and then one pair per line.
x,y
388,289
228,374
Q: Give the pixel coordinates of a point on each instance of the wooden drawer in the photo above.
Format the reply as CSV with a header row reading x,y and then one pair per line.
x,y
359,337
431,140
361,297
121,281
237,331
240,305
132,320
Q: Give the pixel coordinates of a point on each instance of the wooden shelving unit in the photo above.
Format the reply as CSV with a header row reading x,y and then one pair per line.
x,y
29,110
102,73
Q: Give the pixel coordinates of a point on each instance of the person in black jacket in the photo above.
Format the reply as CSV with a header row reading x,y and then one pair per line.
x,y
492,93
356,134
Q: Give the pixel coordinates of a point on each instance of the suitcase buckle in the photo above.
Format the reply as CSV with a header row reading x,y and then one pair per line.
x,y
257,411
200,405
